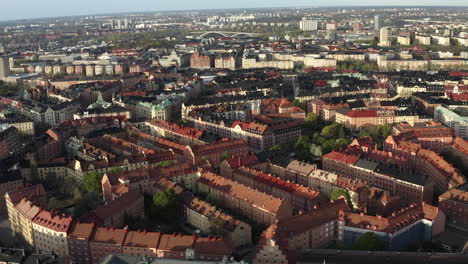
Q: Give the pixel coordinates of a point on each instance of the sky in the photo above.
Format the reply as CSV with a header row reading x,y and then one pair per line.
x,y
24,9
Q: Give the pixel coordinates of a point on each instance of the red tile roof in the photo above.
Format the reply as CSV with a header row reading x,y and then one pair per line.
x,y
341,157
176,242
50,220
117,205
361,113
178,129
82,231
142,239
212,246
109,235
232,188
242,125
221,146
27,208
243,160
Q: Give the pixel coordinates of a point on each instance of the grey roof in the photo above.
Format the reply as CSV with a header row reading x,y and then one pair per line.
x,y
301,167
367,164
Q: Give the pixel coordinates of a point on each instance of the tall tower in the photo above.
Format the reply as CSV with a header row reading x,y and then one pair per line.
x,y
4,68
119,24
126,23
385,37
377,22
308,24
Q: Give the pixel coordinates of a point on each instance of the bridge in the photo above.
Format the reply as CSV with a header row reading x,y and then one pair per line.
x,y
225,34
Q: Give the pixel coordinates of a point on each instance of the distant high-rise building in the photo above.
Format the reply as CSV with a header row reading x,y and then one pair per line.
x,y
119,24
112,24
126,23
377,23
385,37
4,68
357,27
308,24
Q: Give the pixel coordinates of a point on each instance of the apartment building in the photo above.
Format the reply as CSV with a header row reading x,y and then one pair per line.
x,y
328,182
225,62
79,236
23,216
257,206
202,62
105,241
214,152
179,134
209,219
11,181
454,203
301,197
112,213
430,135
141,243
418,222
50,232
452,119
9,140
281,241
410,187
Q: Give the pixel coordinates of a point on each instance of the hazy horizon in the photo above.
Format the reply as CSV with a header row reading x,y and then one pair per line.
x,y
53,8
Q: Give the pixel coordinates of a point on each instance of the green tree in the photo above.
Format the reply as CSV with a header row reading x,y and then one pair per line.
x,y
298,103
336,194
303,142
315,150
342,142
92,182
166,204
311,121
369,241
88,202
328,146
226,155
331,131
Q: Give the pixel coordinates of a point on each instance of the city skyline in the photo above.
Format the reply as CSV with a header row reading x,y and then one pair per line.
x,y
50,8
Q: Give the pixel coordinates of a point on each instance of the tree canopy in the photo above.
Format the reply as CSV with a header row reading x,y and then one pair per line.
x,y
92,180
166,204
378,133
336,194
369,241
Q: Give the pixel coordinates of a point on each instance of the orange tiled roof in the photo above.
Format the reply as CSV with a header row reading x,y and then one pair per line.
x,y
81,230
27,208
212,246
176,242
50,220
175,128
142,239
221,146
342,157
109,235
232,188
